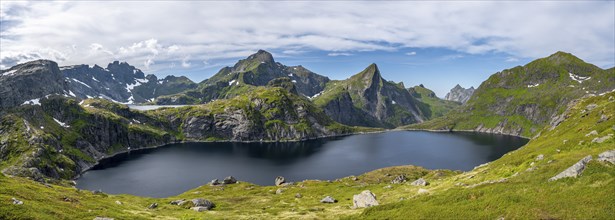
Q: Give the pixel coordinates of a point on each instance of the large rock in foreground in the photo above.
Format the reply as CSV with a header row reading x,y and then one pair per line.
x,y
573,171
364,199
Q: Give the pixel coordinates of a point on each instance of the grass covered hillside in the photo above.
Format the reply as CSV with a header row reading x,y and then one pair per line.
x,y
523,99
514,186
430,104
59,138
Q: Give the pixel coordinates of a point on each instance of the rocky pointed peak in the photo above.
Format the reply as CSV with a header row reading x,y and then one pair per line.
x,y
371,72
457,87
262,56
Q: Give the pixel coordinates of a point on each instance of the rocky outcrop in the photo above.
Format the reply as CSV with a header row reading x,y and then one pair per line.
x,y
328,199
607,156
366,99
27,83
573,171
364,199
420,182
279,180
459,94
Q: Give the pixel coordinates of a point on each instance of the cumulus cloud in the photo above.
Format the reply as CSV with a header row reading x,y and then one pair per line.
x,y
411,53
218,30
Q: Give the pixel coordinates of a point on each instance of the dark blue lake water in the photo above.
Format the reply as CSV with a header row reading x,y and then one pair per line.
x,y
175,168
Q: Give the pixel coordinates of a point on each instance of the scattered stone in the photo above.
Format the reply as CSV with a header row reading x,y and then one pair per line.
x,y
214,182
98,191
591,107
203,203
558,150
603,118
16,201
177,202
423,191
420,182
550,161
540,157
607,156
298,195
328,199
364,199
573,171
388,187
103,218
399,179
230,180
601,139
118,202
153,206
279,191
354,178
565,141
279,180
594,132
200,208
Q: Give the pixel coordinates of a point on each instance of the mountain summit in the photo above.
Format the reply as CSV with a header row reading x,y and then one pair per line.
x,y
366,99
257,69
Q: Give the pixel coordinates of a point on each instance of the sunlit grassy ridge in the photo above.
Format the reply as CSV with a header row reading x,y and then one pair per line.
x,y
504,188
523,99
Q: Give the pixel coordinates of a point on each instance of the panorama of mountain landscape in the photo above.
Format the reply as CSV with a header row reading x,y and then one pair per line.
x,y
307,110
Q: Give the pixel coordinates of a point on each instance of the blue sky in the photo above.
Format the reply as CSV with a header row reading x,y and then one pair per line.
x,y
438,44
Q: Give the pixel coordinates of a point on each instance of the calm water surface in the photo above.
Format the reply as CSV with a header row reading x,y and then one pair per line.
x,y
175,168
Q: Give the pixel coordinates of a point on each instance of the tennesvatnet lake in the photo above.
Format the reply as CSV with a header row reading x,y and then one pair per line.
x,y
175,168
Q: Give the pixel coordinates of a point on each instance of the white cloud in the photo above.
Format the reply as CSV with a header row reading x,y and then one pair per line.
x,y
186,62
512,59
218,30
338,54
411,53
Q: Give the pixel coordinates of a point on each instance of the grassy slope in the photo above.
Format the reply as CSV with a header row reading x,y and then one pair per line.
x,y
529,194
431,105
503,97
526,195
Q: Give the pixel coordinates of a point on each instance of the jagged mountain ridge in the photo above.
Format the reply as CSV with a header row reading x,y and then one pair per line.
x,y
459,94
256,70
121,82
366,99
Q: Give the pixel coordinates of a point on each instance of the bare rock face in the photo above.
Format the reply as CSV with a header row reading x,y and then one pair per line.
x,y
607,156
419,182
364,199
279,180
27,83
459,94
328,199
573,171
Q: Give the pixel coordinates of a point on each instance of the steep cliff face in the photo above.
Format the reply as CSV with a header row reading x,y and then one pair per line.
x,y
376,101
29,82
459,94
523,99
61,137
256,70
121,82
